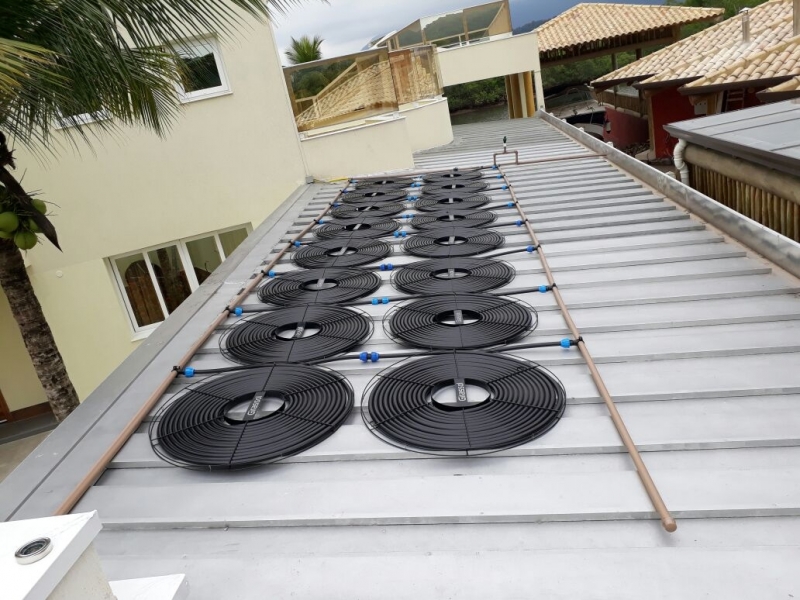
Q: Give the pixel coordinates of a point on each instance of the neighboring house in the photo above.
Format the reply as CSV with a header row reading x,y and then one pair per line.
x,y
144,220
745,61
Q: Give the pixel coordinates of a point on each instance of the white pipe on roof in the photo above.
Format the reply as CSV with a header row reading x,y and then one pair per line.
x,y
796,15
745,12
680,162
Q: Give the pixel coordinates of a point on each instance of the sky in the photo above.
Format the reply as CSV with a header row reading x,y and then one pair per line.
x,y
347,25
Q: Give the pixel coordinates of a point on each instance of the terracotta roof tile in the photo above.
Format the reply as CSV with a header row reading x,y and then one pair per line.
x,y
779,60
792,85
586,23
712,49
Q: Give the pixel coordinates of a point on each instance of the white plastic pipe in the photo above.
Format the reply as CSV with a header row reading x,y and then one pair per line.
x,y
680,163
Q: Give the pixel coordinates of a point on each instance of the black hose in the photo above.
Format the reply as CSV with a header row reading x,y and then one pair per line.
x,y
358,228
447,242
297,334
440,202
332,285
448,218
251,417
344,253
367,209
452,275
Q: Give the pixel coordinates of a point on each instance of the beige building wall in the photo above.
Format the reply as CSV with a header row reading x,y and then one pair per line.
x,y
428,124
476,62
228,160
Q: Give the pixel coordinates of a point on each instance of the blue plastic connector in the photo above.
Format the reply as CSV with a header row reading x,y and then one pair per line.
x,y
408,216
403,233
188,372
413,198
566,343
499,176
271,274
396,234
383,267
530,249
374,357
510,204
519,222
543,289
297,244
238,311
505,187
321,221
494,167
337,204
345,191
390,267
364,357
375,302
385,300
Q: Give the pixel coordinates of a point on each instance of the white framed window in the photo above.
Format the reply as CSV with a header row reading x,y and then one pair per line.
x,y
154,281
204,73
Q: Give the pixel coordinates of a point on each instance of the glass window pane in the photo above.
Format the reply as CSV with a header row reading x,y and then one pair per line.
x,y
205,257
200,70
231,240
140,290
170,275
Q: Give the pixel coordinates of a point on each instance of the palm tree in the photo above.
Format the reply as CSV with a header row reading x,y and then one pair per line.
x,y
305,50
60,58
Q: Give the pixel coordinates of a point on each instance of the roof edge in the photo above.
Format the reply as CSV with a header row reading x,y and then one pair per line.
x,y
721,87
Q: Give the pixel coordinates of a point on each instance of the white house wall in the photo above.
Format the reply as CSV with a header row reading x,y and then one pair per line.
x,y
228,160
484,60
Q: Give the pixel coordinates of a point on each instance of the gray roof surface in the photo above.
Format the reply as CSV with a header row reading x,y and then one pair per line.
x,y
695,336
768,134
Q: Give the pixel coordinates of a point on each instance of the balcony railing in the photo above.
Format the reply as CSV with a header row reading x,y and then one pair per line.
x,y
360,86
625,101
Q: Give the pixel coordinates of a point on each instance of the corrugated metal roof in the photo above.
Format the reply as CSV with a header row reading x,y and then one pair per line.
x,y
768,134
695,336
591,23
710,50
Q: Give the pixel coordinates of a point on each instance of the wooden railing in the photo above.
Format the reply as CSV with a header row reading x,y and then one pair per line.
x,y
779,214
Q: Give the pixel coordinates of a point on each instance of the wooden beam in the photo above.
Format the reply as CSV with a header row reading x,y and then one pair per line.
x,y
606,51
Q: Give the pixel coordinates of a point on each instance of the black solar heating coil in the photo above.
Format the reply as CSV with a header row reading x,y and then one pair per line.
x,y
331,285
464,403
397,183
452,275
449,218
340,253
374,195
251,417
359,228
296,334
367,209
460,322
453,176
438,202
447,242
461,187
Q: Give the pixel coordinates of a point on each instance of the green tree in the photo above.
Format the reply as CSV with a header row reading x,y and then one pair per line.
x,y
62,58
304,50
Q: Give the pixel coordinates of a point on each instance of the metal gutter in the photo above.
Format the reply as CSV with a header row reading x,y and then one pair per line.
x,y
780,250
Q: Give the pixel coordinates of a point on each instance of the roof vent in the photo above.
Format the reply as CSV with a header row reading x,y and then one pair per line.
x,y
745,12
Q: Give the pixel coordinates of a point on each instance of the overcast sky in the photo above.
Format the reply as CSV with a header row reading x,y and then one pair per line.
x,y
347,25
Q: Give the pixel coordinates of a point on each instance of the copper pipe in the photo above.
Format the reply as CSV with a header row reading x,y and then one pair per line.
x,y
102,463
641,469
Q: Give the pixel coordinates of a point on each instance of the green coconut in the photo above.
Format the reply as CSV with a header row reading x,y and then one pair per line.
x,y
6,236
39,205
25,240
9,222
32,226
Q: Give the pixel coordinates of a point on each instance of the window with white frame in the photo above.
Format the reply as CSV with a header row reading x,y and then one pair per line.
x,y
153,282
203,72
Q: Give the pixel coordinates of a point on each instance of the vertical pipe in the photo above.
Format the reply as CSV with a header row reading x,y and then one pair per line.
x,y
510,97
530,97
796,17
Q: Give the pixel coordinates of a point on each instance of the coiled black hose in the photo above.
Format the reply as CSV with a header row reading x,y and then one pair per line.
x,y
452,275
251,417
331,285
367,209
385,182
297,334
472,187
374,195
453,176
448,218
447,242
463,403
440,202
340,253
460,322
359,228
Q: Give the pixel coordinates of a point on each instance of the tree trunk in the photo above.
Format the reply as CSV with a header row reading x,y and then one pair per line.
x,y
36,332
